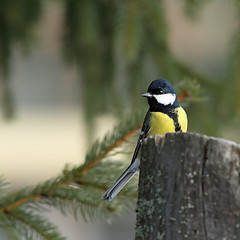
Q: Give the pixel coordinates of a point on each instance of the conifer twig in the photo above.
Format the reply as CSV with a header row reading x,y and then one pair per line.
x,y
20,202
66,180
104,153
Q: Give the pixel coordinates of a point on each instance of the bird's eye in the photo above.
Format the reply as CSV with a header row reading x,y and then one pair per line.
x,y
160,91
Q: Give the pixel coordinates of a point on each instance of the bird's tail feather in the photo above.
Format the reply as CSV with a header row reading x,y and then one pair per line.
x,y
111,193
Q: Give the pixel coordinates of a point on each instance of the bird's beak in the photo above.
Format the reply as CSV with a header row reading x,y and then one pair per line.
x,y
147,94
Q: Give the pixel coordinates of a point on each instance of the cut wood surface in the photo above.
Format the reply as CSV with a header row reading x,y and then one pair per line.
x,y
189,188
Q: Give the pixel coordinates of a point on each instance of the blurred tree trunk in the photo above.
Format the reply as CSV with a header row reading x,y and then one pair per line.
x,y
189,188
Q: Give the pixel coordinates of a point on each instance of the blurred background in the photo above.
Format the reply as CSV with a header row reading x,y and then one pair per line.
x,y
70,70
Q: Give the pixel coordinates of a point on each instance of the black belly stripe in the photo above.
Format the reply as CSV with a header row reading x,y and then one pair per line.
x,y
177,126
174,115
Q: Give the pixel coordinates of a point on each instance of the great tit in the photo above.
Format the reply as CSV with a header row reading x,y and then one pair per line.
x,y
164,115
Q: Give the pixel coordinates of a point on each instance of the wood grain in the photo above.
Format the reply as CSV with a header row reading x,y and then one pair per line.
x,y
189,188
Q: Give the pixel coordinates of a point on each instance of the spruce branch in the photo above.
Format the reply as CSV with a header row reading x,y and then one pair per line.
x,y
99,150
101,153
21,207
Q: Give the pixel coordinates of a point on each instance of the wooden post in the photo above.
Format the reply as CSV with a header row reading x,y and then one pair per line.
x,y
189,188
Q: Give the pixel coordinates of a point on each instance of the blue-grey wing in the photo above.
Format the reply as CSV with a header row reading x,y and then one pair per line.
x,y
144,130
133,168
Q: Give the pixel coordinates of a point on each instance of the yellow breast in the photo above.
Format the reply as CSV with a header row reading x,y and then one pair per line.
x,y
182,118
161,123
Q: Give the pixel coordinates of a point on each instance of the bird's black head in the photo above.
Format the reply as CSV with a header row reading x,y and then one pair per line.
x,y
161,95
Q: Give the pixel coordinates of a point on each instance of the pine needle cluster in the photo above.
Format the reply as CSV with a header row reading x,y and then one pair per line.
x,y
76,191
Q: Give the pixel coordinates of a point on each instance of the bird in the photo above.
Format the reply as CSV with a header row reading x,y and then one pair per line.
x,y
164,115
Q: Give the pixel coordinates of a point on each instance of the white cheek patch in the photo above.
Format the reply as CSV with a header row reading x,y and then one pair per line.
x,y
165,99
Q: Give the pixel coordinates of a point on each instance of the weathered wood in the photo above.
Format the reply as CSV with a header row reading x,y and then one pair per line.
x,y
189,188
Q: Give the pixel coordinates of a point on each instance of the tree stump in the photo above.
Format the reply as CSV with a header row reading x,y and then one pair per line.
x,y
189,188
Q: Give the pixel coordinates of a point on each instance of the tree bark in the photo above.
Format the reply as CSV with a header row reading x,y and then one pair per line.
x,y
189,188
